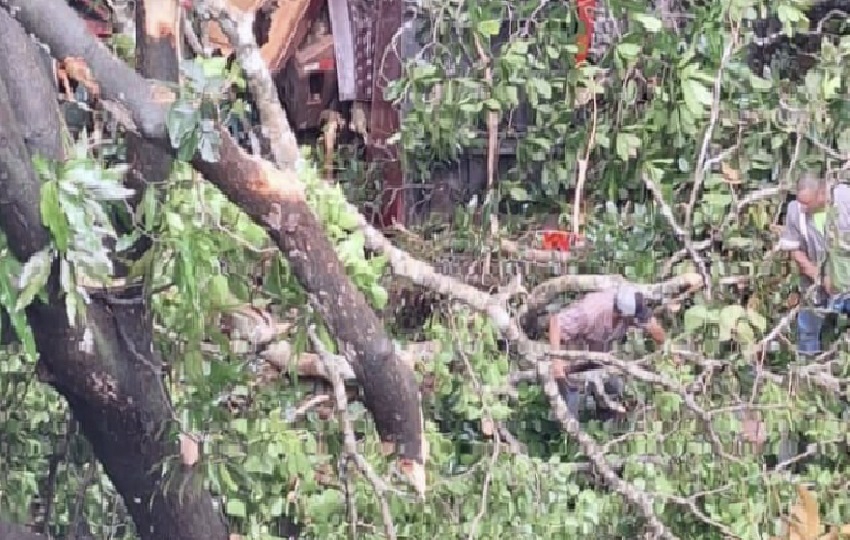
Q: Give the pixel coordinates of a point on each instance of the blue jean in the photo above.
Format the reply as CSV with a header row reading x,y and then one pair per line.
x,y
809,326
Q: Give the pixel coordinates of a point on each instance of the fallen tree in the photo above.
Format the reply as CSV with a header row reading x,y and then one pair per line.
x,y
275,199
124,399
271,197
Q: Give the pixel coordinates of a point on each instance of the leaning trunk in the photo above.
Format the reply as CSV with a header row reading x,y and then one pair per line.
x,y
107,370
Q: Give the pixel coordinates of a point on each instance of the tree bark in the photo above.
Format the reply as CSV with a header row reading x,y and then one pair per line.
x,y
274,200
107,371
156,58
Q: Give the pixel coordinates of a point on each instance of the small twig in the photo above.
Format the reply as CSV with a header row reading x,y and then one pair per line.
x,y
492,149
485,491
52,471
638,498
307,405
350,442
681,233
582,170
350,501
691,503
699,169
80,499
780,327
641,374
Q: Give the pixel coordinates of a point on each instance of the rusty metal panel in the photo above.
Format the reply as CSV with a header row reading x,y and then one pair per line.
x,y
343,48
385,119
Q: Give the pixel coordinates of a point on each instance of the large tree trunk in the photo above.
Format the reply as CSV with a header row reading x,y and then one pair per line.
x,y
108,371
272,199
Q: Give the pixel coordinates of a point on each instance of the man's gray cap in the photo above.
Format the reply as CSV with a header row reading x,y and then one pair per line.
x,y
626,301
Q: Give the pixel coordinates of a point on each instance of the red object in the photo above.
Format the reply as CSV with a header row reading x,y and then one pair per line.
x,y
586,14
99,28
556,240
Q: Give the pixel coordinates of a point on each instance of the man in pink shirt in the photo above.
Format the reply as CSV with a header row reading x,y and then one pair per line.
x,y
593,324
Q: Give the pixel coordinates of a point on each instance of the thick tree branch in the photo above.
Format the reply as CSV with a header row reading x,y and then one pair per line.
x,y
272,198
276,200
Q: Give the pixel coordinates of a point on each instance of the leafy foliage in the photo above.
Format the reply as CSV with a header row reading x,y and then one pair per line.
x,y
674,108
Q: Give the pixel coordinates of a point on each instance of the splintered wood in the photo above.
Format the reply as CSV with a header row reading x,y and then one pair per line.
x,y
288,27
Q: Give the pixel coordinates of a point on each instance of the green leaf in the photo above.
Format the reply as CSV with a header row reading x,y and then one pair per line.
x,y
759,83
380,296
490,27
729,317
758,320
518,194
699,91
627,146
277,506
542,87
34,277
696,96
239,425
348,221
219,291
744,332
650,23
831,85
236,508
67,282
52,216
696,318
628,51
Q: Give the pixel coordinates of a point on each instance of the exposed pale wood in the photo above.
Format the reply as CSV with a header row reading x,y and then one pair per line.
x,y
246,5
288,28
343,48
216,37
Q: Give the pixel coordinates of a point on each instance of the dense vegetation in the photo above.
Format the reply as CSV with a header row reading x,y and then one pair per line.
x,y
680,142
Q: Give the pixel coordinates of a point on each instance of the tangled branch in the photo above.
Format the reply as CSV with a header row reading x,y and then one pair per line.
x,y
379,486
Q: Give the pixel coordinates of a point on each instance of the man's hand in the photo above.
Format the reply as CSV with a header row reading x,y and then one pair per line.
x,y
806,266
827,285
558,368
655,330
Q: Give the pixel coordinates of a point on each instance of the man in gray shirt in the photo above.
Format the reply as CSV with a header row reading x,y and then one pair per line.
x,y
804,237
593,323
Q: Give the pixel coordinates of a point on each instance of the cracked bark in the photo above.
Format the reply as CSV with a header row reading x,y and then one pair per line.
x,y
107,379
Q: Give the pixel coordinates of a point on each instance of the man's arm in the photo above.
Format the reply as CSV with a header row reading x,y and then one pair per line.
x,y
792,241
655,330
806,266
563,326
554,333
